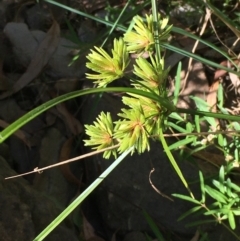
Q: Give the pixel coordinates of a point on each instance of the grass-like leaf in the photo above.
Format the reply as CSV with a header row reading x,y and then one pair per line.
x,y
202,187
234,186
198,58
200,222
40,109
153,226
187,198
231,220
80,198
182,143
218,196
177,83
173,162
189,212
211,45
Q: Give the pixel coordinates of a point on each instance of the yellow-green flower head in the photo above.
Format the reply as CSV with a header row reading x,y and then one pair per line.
x,y
142,39
101,134
131,131
151,73
108,68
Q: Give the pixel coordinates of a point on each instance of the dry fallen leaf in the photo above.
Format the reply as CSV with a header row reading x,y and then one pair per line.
x,y
221,72
64,86
65,155
235,80
44,52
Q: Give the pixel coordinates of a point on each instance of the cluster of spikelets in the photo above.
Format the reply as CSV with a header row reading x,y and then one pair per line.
x,y
143,117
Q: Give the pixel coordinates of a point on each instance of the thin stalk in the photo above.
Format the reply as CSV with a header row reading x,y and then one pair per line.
x,y
116,22
155,29
208,114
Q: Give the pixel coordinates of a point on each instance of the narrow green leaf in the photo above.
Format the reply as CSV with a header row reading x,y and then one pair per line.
x,y
231,220
182,143
220,140
222,179
233,185
187,198
177,83
236,212
208,114
197,123
212,212
176,116
218,185
197,57
220,95
236,154
173,162
196,149
117,21
84,14
201,40
192,210
200,222
153,226
203,106
236,125
229,23
177,127
189,127
40,109
216,194
202,187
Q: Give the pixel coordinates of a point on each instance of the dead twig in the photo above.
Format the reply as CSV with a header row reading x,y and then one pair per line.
x,y
40,170
157,190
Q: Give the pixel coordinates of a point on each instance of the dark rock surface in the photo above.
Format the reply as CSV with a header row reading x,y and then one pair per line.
x,y
24,212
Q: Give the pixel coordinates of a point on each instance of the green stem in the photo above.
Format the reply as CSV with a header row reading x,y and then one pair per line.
x,y
155,29
116,22
208,114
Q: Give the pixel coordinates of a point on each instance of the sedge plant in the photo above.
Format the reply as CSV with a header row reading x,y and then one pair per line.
x,y
148,113
145,118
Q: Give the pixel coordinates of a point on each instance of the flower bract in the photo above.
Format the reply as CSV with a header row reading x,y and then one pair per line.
x,y
108,68
101,134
